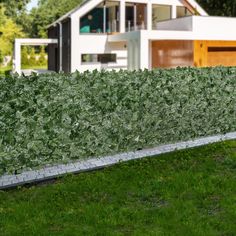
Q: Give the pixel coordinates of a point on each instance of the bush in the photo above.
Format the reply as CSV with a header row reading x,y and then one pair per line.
x,y
29,58
1,57
42,61
32,57
25,60
57,117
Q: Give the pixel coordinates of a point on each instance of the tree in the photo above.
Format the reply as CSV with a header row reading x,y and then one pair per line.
x,y
47,12
32,58
9,30
16,11
25,58
14,8
42,61
1,57
219,7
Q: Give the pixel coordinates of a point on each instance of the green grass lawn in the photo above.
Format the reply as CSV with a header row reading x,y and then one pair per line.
x,y
191,192
35,67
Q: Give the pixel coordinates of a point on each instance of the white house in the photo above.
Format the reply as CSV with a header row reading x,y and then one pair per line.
x,y
139,34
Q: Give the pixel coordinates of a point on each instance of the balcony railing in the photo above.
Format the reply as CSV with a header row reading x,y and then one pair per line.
x,y
130,26
113,26
110,27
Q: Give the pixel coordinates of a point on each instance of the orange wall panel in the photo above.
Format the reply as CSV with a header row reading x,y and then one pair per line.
x,y
214,53
172,53
199,53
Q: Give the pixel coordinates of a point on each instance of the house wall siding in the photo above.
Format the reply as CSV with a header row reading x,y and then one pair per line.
x,y
66,46
97,44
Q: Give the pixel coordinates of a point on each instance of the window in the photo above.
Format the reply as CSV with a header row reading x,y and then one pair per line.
x,y
104,18
183,11
98,58
135,16
160,13
141,16
112,16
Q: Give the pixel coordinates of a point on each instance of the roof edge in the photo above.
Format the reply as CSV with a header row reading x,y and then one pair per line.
x,y
68,15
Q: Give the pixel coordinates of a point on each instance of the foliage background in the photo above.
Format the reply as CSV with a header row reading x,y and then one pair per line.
x,y
9,30
58,117
20,23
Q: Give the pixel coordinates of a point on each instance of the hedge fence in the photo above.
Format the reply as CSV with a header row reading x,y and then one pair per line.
x,y
57,118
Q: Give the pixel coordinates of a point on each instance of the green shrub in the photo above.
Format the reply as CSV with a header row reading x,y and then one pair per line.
x,y
58,117
42,61
32,57
25,60
1,57
29,58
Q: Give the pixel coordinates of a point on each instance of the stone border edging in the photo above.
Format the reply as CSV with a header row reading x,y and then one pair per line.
x,y
47,173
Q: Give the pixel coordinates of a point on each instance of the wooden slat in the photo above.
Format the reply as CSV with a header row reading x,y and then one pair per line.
x,y
189,6
200,54
214,53
221,59
172,53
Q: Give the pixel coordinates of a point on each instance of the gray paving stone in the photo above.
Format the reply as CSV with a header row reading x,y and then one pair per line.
x,y
16,181
29,179
110,162
30,173
6,183
98,163
49,172
4,178
9,180
38,177
78,166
